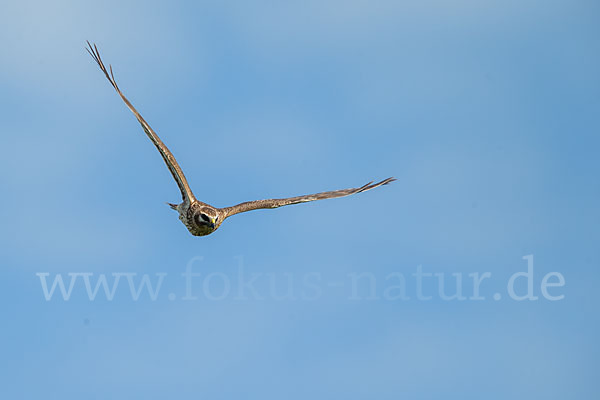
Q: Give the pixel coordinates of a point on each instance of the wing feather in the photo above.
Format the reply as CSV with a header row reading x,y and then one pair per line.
x,y
186,192
275,203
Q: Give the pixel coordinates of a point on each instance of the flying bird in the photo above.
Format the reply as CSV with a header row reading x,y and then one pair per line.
x,y
200,218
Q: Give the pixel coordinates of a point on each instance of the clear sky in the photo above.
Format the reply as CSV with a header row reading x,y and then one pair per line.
x,y
487,113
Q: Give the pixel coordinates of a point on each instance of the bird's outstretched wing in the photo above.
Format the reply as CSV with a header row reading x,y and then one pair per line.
x,y
274,203
176,171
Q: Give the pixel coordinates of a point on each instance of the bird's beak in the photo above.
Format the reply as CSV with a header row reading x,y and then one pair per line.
x,y
212,223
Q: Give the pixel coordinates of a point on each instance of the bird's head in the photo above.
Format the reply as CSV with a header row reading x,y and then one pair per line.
x,y
207,219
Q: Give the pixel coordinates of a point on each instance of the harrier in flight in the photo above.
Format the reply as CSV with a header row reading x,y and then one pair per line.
x,y
200,218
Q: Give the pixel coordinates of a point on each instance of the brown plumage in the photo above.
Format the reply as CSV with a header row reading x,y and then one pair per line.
x,y
200,218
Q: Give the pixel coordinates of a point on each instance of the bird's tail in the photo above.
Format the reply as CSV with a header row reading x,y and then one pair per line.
x,y
173,206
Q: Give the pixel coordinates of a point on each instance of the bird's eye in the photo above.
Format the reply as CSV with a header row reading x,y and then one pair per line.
x,y
204,217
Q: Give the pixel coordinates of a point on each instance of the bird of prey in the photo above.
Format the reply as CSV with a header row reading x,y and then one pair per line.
x,y
200,218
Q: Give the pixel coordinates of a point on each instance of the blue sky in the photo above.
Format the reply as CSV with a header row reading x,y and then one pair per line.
x,y
487,113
